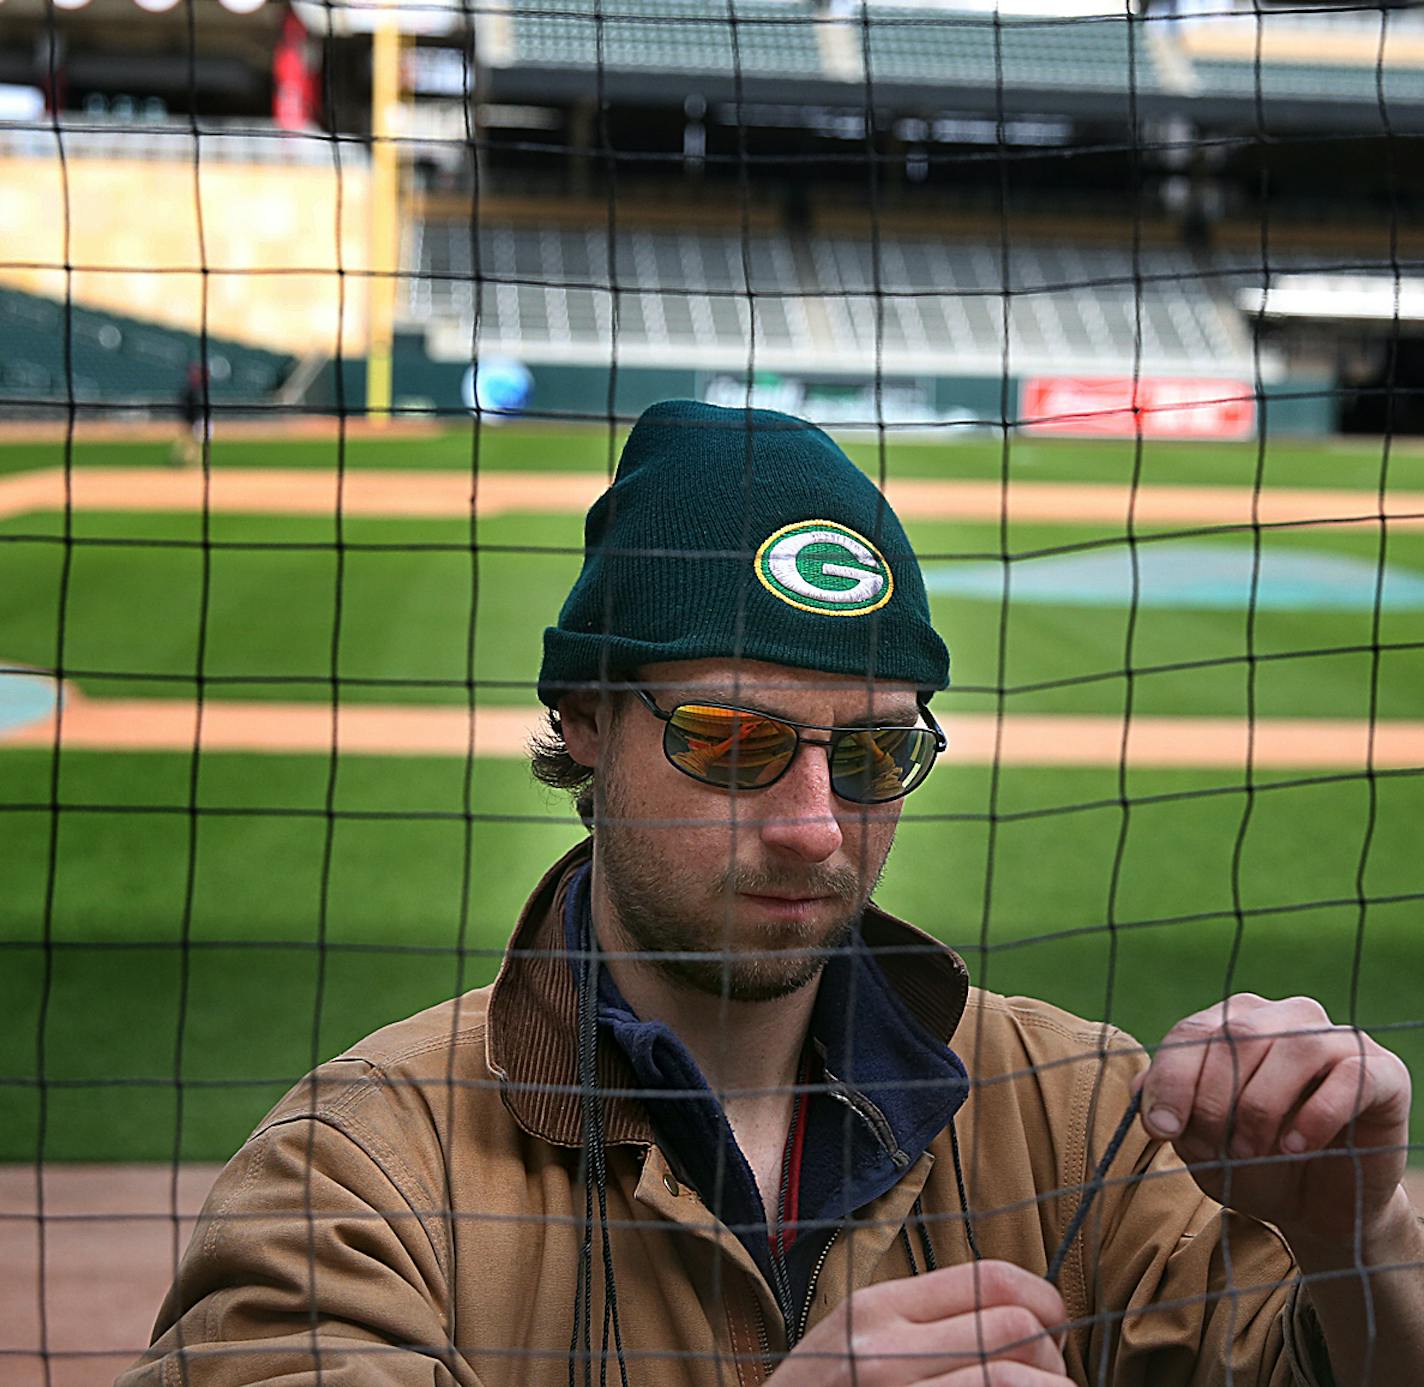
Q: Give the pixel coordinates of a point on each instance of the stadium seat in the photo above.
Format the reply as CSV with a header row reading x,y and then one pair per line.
x,y
550,291
667,35
976,49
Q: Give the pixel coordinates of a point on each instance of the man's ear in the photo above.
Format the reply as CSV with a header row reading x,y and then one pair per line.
x,y
584,718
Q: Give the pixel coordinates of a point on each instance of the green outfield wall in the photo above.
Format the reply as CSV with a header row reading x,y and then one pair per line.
x,y
1297,406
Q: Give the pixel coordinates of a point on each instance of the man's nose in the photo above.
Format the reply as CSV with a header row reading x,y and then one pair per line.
x,y
798,813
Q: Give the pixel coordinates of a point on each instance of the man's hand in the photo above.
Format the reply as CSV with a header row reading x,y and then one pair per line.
x,y
983,1324
1319,1112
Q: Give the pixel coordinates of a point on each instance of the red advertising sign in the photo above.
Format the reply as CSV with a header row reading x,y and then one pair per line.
x,y
1162,406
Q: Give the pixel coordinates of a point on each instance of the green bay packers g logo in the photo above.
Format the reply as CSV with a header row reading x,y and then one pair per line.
x,y
824,566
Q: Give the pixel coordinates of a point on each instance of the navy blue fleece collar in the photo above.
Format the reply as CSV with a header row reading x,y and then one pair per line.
x,y
883,1090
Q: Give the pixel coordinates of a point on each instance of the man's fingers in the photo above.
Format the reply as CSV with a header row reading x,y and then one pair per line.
x,y
904,1353
1357,1084
1008,1332
1170,1086
1246,1038
951,1291
1249,1077
1282,1083
974,1317
1000,1375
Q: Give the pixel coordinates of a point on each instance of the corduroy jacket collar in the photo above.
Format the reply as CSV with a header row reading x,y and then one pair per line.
x,y
531,1036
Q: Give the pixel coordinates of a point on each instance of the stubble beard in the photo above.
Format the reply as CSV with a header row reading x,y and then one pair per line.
x,y
686,929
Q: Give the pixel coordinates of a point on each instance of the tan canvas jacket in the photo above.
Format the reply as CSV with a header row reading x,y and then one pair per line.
x,y
411,1212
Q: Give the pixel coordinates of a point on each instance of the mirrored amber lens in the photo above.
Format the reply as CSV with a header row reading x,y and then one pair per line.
x,y
722,746
876,764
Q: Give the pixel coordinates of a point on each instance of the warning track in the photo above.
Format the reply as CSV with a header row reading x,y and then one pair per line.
x,y
447,494
974,739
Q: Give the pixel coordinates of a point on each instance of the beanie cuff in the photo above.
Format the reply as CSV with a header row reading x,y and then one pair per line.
x,y
580,662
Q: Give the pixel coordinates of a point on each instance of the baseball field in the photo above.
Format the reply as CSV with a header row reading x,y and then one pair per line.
x,y
1186,735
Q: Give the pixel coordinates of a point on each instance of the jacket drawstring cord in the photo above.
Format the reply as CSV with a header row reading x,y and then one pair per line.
x,y
595,1176
931,1261
1075,1225
963,1197
580,1337
909,1250
1090,1193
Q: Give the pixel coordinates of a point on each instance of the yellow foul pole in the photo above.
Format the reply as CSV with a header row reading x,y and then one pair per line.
x,y
384,241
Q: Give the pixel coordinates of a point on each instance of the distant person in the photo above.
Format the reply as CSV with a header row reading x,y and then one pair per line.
x,y
196,427
721,1120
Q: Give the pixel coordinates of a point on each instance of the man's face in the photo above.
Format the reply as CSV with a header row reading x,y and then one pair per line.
x,y
756,882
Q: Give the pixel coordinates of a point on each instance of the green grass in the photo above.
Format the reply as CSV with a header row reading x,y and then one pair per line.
x,y
541,447
306,931
385,932
526,448
409,589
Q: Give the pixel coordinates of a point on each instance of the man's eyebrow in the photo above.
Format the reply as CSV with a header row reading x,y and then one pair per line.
x,y
903,715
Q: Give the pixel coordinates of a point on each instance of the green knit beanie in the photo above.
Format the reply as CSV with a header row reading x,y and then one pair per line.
x,y
741,532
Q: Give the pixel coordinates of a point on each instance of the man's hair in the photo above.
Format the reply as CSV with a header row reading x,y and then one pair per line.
x,y
551,763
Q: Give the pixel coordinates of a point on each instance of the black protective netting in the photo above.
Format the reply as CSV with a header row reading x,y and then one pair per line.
x,y
322,327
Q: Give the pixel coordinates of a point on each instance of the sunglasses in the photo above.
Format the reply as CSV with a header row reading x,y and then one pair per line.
x,y
743,749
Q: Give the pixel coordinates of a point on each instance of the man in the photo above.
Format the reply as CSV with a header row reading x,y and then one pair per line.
x,y
721,1120
194,428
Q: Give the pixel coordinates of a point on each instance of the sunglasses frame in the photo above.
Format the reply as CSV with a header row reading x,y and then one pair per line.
x,y
836,734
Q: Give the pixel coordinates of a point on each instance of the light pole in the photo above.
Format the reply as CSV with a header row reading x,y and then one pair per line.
x,y
384,211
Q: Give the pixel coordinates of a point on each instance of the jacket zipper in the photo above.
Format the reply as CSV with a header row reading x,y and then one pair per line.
x,y
873,1118
764,1339
811,1284
782,1287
